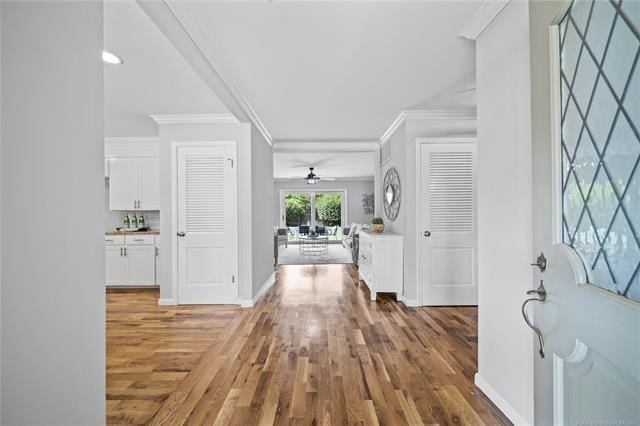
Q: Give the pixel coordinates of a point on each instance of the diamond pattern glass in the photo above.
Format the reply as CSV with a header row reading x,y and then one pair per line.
x,y
600,84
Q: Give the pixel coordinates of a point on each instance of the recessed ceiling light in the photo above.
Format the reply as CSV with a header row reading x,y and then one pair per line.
x,y
110,58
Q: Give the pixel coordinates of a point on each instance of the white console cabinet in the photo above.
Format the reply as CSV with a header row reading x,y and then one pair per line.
x,y
380,261
130,260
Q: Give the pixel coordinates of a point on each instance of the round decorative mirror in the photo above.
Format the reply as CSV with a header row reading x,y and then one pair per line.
x,y
391,194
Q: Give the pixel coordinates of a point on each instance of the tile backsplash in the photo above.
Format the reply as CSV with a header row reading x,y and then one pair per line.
x,y
113,219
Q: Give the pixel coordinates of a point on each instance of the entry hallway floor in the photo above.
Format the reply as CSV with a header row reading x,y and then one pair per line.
x,y
315,350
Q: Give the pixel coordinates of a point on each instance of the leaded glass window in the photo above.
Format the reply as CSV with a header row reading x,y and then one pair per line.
x,y
600,107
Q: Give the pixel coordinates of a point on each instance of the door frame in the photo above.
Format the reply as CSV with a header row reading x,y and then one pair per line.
x,y
418,155
313,192
174,210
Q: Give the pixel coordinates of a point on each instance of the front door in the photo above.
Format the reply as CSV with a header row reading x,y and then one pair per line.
x,y
587,217
448,217
207,223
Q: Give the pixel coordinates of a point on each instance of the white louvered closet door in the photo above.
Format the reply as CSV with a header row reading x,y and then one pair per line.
x,y
448,210
207,216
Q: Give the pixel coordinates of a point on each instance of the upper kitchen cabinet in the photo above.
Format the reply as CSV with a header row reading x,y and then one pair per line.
x,y
134,173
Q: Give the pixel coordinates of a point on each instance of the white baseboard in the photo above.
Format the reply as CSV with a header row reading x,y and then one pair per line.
x,y
250,303
499,401
408,302
166,302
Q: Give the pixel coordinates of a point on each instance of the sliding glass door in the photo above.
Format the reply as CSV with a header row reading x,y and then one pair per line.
x,y
313,213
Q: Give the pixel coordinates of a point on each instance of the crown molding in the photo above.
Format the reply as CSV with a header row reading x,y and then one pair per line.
x,y
175,30
320,145
485,14
195,119
427,114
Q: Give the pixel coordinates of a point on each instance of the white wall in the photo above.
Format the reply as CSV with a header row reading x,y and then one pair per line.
x,y
403,158
261,205
504,210
255,186
355,189
53,303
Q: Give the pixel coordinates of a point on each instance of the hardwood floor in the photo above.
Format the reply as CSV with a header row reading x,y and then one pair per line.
x,y
314,350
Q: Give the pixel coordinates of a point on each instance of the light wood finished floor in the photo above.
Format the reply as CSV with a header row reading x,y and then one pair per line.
x,y
314,351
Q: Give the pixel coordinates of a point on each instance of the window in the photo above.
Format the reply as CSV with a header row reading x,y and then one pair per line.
x,y
600,107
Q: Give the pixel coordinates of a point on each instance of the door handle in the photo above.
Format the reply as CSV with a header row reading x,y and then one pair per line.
x,y
541,292
125,251
181,234
121,252
426,233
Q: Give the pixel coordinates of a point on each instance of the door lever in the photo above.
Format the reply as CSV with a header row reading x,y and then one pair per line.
x,y
542,296
181,234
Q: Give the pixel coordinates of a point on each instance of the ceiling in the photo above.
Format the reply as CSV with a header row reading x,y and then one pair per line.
x,y
340,165
337,70
155,78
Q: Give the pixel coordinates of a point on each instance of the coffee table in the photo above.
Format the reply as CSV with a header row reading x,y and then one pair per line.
x,y
314,245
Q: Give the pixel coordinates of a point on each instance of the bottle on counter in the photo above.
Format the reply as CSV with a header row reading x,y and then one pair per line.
x,y
140,221
125,221
134,222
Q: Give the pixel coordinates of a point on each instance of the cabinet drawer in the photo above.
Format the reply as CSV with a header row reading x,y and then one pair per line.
x,y
114,240
140,239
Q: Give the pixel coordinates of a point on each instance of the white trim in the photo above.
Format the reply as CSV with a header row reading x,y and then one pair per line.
x,y
195,119
332,145
499,401
166,302
427,114
130,139
250,303
418,194
556,147
411,303
576,356
485,14
174,210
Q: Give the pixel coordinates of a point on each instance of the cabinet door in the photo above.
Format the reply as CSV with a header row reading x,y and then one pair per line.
x,y
141,265
115,265
149,184
123,183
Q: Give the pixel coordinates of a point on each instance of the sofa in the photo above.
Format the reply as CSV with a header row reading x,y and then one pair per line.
x,y
351,240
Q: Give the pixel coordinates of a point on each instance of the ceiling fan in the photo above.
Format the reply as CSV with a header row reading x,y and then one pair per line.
x,y
313,178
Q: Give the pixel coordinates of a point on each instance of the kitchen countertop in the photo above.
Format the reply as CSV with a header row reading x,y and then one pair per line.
x,y
149,232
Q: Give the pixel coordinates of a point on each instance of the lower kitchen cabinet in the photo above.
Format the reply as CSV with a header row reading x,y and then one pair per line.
x,y
130,260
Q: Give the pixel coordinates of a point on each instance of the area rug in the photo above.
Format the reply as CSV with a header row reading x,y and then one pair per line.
x,y
292,256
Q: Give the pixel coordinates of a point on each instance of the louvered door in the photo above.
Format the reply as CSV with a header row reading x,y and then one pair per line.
x,y
448,216
207,224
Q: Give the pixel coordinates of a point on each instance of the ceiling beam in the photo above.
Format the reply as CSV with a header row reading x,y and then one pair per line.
x,y
164,17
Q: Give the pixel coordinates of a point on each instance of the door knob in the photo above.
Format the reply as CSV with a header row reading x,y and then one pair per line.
x,y
541,262
426,233
181,234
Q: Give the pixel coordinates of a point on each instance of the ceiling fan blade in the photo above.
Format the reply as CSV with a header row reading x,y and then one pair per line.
x,y
326,178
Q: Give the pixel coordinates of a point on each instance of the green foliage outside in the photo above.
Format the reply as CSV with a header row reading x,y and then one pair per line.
x,y
329,209
297,206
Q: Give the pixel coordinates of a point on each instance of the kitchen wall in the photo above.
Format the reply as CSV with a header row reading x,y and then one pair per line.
x,y
355,189
53,303
113,218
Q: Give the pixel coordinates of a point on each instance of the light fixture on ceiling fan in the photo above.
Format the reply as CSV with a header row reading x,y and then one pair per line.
x,y
313,178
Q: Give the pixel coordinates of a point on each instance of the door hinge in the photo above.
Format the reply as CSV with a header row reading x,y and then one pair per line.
x,y
233,279
230,159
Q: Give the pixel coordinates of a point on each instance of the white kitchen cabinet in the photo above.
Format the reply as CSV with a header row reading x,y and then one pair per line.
x,y
134,184
116,265
141,265
380,262
130,260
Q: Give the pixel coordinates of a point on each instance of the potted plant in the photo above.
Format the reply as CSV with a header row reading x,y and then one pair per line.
x,y
377,225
